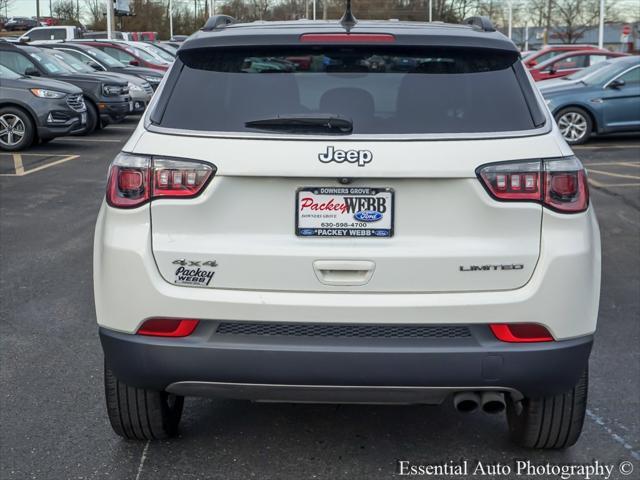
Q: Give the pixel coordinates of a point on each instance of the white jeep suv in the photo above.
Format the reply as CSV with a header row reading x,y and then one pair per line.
x,y
348,212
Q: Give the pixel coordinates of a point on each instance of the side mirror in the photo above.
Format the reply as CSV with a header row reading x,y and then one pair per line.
x,y
31,72
616,84
25,39
134,63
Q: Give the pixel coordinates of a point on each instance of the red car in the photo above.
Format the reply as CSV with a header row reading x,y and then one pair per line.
x,y
126,54
538,56
570,62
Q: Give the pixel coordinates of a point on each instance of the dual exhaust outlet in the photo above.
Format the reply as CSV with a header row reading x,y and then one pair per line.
x,y
489,402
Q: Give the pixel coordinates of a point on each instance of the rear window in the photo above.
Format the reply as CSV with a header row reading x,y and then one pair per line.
x,y
381,90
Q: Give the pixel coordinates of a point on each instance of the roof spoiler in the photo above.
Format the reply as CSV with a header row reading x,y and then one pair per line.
x,y
217,21
482,23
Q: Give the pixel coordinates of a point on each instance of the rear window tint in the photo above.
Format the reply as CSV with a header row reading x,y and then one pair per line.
x,y
382,90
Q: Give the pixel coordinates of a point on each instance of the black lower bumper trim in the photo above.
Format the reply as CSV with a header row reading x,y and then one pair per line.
x,y
477,362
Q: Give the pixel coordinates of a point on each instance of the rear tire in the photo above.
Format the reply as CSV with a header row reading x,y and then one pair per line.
x,y
553,422
139,413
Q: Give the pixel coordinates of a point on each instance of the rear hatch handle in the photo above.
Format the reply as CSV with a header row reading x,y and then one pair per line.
x,y
344,272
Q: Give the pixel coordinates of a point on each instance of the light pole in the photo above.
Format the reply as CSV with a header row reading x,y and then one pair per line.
x,y
314,9
601,26
510,5
109,5
431,10
170,19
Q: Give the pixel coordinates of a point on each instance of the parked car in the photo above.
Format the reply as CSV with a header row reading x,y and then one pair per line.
x,y
170,49
37,110
576,77
538,56
61,32
50,21
15,24
107,99
158,53
100,61
352,237
569,63
127,54
104,35
139,89
608,101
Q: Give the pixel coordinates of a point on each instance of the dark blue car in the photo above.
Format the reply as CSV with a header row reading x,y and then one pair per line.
x,y
605,99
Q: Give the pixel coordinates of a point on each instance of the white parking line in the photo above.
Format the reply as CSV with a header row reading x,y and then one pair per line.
x,y
607,164
21,172
611,174
595,147
142,459
595,183
617,438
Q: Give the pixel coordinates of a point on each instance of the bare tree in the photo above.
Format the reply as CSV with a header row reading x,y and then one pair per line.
x,y
96,11
4,6
571,18
66,11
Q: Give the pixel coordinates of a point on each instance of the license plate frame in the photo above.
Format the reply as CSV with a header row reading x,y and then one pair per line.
x,y
349,226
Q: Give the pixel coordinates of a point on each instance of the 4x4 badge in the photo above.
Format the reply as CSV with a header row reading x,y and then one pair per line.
x,y
361,157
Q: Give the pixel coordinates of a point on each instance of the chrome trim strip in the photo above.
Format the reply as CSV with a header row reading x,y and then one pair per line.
x,y
546,128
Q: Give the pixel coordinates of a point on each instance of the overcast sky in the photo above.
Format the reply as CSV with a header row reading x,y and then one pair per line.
x,y
27,8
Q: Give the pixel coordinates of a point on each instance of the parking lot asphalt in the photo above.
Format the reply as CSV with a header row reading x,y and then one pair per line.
x,y
53,420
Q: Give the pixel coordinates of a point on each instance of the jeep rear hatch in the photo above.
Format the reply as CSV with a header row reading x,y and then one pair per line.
x,y
394,206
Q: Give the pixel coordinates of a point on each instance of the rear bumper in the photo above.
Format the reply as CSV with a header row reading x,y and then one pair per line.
x,y
315,368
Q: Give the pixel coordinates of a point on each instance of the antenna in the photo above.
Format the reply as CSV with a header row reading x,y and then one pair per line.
x,y
348,21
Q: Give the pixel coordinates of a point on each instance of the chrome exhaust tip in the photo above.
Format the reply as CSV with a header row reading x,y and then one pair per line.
x,y
492,402
466,402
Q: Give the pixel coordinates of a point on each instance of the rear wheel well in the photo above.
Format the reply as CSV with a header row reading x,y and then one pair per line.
x,y
34,120
594,123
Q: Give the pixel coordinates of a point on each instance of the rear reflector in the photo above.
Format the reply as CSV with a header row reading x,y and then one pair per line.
x,y
347,38
168,327
520,332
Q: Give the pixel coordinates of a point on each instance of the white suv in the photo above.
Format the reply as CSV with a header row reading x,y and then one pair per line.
x,y
348,212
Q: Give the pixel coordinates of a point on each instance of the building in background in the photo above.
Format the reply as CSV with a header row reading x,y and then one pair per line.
x,y
618,37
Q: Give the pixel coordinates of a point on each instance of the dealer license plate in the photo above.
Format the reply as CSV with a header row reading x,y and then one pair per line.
x,y
344,212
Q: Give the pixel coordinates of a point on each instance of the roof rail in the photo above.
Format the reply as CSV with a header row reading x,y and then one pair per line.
x,y
483,23
217,21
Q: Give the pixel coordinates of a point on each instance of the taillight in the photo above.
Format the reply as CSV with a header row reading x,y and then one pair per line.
x,y
521,332
559,184
134,179
168,327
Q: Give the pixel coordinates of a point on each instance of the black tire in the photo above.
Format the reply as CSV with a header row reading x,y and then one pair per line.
x,y
141,414
571,133
93,119
20,120
553,422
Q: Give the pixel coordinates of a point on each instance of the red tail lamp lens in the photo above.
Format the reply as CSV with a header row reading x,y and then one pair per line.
x,y
134,180
168,327
520,332
559,184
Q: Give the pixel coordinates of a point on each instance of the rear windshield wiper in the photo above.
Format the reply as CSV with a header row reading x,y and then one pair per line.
x,y
313,123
